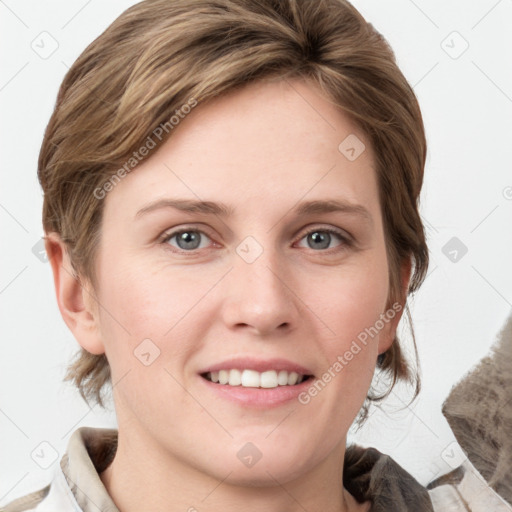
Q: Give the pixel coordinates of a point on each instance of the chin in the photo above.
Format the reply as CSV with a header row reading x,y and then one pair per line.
x,y
265,475
249,466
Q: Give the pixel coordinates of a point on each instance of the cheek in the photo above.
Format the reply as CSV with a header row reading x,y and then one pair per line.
x,y
350,298
157,304
349,308
147,335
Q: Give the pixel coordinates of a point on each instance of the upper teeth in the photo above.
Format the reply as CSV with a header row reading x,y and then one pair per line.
x,y
254,379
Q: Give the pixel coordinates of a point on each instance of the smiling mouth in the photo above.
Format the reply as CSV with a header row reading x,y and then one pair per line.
x,y
253,379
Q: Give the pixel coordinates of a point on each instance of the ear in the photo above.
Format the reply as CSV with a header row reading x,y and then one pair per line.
x,y
393,313
76,300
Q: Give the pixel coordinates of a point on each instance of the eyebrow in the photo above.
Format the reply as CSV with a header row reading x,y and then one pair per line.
x,y
334,205
188,205
303,209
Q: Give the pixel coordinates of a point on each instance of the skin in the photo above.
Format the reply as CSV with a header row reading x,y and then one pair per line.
x,y
260,150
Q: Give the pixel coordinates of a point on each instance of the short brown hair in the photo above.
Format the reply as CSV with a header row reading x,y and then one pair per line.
x,y
160,54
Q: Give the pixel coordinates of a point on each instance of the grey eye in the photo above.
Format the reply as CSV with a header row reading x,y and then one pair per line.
x,y
319,239
187,240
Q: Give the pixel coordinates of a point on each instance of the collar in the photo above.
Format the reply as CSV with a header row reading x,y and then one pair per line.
x,y
369,475
89,453
465,486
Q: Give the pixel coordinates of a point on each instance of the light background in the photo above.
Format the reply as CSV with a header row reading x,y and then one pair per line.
x,y
466,99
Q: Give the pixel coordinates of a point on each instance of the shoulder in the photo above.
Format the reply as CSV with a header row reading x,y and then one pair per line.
x,y
464,489
370,475
55,496
479,412
89,451
28,502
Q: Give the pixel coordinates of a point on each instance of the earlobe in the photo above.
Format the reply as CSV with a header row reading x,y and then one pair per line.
x,y
75,299
394,311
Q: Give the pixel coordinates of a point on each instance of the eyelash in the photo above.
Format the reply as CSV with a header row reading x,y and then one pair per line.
x,y
346,241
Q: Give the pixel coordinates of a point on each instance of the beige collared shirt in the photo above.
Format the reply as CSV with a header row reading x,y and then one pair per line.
x,y
76,484
77,487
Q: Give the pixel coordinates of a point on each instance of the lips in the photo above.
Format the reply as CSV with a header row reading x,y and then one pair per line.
x,y
258,365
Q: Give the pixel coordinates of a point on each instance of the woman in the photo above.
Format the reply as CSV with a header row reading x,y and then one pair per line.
x,y
231,214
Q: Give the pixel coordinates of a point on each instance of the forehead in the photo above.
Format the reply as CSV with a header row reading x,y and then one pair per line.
x,y
270,143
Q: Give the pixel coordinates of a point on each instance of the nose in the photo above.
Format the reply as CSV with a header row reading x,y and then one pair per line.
x,y
259,296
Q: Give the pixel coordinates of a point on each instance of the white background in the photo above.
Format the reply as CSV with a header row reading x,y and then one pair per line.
x,y
467,107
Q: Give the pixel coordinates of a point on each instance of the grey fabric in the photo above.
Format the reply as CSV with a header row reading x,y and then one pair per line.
x,y
465,490
370,475
479,411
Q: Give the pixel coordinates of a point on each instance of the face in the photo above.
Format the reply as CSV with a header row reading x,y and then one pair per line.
x,y
280,269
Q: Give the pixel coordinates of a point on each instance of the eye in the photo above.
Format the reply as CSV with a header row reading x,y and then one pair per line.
x,y
318,239
186,239
321,238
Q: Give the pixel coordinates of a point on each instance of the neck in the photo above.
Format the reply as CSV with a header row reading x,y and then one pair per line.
x,y
144,477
